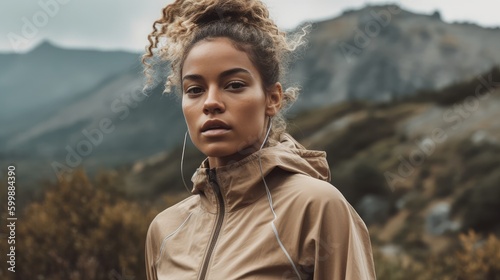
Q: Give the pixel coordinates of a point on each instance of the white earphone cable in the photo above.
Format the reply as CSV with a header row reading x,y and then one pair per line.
x,y
182,162
270,199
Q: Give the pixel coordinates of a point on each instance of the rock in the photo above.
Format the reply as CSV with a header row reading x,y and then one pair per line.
x,y
438,220
373,209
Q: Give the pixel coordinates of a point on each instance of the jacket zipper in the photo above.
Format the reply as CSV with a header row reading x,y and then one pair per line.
x,y
220,218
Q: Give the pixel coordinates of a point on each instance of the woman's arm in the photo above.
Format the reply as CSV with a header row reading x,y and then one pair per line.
x,y
342,242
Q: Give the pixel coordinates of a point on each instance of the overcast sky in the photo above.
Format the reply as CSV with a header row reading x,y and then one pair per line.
x,y
124,24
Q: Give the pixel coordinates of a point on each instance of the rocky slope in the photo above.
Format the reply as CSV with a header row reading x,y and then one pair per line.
x,y
384,53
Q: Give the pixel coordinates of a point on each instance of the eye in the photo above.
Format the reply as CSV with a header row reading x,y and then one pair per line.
x,y
236,85
194,90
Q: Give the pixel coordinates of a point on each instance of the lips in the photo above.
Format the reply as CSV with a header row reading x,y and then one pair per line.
x,y
214,124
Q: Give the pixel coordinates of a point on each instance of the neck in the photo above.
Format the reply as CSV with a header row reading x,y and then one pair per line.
x,y
226,160
242,153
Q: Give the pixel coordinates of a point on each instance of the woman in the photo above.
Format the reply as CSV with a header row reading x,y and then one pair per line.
x,y
262,207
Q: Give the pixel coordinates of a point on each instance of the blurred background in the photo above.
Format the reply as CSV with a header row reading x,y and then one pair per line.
x,y
403,96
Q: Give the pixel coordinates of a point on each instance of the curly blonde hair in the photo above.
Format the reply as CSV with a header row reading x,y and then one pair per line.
x,y
245,22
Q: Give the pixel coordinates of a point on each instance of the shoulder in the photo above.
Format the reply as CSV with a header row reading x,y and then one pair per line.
x,y
170,219
313,198
305,189
164,224
174,215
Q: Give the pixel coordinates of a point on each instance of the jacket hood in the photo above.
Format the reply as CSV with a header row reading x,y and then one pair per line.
x,y
241,182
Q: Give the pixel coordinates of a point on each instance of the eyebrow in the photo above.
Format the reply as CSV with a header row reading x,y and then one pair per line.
x,y
221,75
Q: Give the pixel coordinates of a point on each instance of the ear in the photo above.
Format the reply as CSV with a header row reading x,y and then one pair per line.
x,y
273,100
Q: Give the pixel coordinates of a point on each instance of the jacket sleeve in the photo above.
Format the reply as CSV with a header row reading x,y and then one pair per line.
x,y
151,252
342,247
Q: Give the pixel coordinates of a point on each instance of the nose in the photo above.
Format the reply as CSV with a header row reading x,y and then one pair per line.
x,y
213,103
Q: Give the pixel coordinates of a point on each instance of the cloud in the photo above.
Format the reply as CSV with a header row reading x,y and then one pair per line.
x,y
125,24
90,23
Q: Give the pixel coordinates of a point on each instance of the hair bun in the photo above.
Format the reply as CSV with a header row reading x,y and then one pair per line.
x,y
226,12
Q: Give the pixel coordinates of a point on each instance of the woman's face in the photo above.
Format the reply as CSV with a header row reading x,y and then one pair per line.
x,y
223,101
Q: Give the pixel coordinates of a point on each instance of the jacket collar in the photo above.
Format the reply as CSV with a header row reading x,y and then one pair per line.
x,y
241,182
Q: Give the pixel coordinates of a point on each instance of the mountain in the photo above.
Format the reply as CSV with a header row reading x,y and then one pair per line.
x,y
39,82
50,96
382,53
61,109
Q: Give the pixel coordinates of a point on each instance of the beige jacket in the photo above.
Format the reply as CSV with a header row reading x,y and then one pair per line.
x,y
232,229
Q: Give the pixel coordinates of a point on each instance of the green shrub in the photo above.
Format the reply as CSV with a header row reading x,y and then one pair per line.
x,y
471,258
313,120
359,136
479,159
480,204
446,182
359,179
457,92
